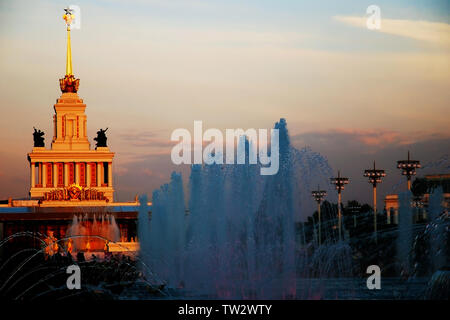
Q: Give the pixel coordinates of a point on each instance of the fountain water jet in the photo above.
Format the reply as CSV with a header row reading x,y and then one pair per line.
x,y
238,238
103,225
437,234
404,237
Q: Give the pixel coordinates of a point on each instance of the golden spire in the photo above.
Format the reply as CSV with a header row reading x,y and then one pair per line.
x,y
69,55
68,18
69,83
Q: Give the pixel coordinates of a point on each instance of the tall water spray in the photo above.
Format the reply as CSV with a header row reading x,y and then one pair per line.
x,y
274,227
404,236
437,230
162,247
236,238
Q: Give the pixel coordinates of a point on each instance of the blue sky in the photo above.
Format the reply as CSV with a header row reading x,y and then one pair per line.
x,y
149,67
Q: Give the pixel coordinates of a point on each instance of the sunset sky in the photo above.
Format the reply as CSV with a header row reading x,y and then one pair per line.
x,y
148,67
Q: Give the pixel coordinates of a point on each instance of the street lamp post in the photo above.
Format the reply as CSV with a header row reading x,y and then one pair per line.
x,y
374,176
340,183
319,195
408,168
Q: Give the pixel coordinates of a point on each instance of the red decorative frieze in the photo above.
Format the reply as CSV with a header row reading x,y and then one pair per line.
x,y
60,174
74,192
49,181
93,174
71,173
82,167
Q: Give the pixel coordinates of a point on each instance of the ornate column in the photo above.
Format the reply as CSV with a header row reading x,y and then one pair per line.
x,y
110,174
99,174
66,174
55,175
33,174
44,174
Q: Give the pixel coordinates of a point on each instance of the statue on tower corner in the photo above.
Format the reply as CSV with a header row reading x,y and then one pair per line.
x,y
101,138
38,137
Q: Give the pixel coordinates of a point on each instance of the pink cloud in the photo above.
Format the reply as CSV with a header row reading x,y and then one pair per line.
x,y
377,138
152,173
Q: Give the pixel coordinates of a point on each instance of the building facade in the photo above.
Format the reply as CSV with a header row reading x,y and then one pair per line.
x,y
71,191
391,201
